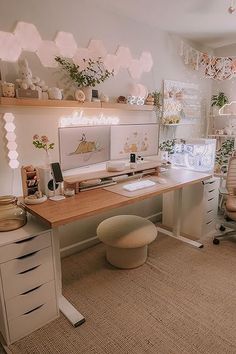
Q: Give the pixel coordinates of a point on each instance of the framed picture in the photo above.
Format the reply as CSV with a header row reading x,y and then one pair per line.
x,y
140,139
82,146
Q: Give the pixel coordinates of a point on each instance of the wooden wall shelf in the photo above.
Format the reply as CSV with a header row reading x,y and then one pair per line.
x,y
33,102
128,107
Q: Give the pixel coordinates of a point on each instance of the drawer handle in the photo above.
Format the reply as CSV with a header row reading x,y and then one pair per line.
x,y
36,308
208,182
209,222
27,255
26,240
29,270
212,190
209,211
29,291
210,199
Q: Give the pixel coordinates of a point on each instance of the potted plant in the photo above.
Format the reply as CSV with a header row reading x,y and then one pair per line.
x,y
168,148
93,74
218,101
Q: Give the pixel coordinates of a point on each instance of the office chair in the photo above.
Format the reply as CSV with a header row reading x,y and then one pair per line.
x,y
230,205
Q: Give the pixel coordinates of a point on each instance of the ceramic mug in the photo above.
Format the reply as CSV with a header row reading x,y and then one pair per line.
x,y
8,89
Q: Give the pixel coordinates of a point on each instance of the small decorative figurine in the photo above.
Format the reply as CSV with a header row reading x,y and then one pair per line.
x,y
79,95
8,89
55,93
121,99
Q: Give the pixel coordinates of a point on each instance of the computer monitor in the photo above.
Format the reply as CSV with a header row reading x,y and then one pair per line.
x,y
83,146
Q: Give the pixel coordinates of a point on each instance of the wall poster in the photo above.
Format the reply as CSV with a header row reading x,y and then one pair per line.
x,y
81,146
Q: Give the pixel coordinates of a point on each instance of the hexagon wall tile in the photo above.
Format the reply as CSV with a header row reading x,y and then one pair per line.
x,y
28,36
135,69
66,44
47,52
97,48
111,63
124,56
10,49
81,53
146,61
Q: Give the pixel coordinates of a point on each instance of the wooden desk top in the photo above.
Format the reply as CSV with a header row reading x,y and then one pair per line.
x,y
96,201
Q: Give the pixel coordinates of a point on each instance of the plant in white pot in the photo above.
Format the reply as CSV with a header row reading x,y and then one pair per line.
x,y
218,101
93,74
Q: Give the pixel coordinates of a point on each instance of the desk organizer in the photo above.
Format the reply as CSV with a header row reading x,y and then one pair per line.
x,y
80,182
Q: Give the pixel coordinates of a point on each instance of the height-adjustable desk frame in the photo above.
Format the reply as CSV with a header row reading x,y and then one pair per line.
x,y
93,202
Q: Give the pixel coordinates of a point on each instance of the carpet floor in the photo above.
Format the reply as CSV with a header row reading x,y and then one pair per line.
x,y
183,300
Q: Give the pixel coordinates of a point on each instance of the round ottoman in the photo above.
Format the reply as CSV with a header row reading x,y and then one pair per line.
x,y
126,238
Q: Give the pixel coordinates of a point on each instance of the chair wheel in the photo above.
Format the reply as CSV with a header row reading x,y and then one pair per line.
x,y
222,228
216,241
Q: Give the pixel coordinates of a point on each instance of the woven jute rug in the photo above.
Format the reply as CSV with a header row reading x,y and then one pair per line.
x,y
183,300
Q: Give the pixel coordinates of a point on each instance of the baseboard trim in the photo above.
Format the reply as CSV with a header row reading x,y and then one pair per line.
x,y
81,245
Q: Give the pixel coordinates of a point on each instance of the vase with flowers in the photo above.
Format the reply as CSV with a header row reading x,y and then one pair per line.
x,y
93,73
43,143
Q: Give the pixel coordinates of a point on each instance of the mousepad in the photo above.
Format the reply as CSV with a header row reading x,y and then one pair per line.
x,y
118,188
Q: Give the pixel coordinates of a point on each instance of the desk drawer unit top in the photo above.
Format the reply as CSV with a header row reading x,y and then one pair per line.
x,y
25,246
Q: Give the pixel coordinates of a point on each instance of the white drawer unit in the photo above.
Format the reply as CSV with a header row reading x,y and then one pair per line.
x,y
28,298
199,208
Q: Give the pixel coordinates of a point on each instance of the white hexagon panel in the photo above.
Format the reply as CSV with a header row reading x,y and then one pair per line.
x,y
66,44
10,49
135,69
28,36
146,61
111,63
123,57
47,53
97,48
81,53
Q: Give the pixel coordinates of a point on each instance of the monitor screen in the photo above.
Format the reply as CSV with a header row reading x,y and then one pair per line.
x,y
83,146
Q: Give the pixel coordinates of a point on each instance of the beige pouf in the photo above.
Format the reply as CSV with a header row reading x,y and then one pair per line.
x,y
126,238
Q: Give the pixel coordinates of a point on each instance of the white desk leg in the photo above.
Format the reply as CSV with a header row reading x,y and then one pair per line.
x,y
177,212
68,310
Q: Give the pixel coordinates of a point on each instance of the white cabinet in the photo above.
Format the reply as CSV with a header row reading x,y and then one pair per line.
x,y
199,208
28,298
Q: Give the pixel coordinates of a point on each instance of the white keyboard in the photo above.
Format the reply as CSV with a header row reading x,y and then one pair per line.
x,y
134,186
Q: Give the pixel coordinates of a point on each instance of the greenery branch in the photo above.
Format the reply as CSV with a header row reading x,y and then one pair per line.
x,y
93,74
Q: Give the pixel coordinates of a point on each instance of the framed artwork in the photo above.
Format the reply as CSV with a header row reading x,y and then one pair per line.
x,y
181,102
141,139
81,146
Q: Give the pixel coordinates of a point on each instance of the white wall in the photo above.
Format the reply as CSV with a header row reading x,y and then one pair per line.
x,y
87,20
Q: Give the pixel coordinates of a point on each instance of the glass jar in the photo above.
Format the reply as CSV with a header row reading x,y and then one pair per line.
x,y
12,217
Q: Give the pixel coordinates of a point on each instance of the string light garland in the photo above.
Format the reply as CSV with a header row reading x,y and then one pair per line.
x,y
214,67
